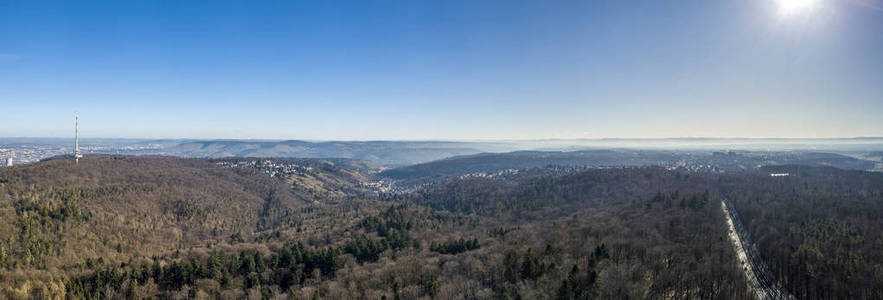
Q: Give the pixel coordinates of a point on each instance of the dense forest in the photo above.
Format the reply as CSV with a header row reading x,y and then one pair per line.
x,y
820,229
169,228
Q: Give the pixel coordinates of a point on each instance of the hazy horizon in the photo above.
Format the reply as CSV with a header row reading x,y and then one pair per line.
x,y
450,140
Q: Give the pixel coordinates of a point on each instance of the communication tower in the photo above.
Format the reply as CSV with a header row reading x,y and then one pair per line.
x,y
77,154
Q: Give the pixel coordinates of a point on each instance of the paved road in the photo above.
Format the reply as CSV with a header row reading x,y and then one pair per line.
x,y
760,278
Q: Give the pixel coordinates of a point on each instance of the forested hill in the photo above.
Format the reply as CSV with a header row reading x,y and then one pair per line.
x,y
492,162
59,215
819,229
699,161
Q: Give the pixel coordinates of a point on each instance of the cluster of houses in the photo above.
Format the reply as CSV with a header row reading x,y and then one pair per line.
x,y
694,166
382,186
270,167
23,154
498,174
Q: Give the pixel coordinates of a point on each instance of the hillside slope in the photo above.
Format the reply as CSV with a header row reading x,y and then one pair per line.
x,y
57,215
703,161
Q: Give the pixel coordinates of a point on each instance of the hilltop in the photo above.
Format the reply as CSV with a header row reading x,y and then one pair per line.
x,y
58,215
699,161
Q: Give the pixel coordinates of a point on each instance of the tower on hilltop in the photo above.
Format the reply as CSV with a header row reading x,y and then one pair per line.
x,y
77,154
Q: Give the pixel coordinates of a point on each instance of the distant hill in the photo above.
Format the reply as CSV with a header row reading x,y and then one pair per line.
x,y
403,153
313,179
692,160
389,153
492,162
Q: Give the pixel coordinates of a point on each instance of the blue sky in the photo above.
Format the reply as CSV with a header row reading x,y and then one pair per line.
x,y
441,69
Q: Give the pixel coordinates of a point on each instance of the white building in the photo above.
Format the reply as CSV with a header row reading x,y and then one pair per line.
x,y
9,161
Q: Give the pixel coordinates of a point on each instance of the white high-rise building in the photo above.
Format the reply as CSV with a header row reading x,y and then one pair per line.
x,y
9,161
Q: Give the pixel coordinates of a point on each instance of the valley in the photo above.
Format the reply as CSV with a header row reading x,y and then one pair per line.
x,y
163,227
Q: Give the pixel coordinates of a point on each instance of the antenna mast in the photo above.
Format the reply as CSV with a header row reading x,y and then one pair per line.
x,y
77,154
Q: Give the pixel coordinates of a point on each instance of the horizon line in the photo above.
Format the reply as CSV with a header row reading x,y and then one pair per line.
x,y
459,140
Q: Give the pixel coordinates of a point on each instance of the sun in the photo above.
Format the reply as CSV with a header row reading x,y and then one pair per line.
x,y
795,7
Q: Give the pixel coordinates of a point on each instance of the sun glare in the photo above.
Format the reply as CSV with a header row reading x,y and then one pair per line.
x,y
794,7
